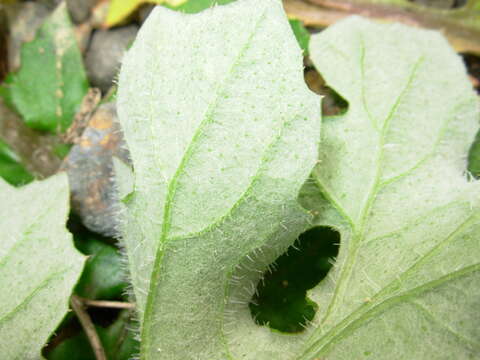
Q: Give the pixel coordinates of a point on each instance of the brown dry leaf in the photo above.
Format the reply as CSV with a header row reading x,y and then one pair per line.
x,y
460,25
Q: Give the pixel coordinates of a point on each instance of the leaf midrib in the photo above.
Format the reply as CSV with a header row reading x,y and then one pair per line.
x,y
359,229
171,189
342,329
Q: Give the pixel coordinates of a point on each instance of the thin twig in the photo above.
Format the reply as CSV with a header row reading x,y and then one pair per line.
x,y
107,304
88,327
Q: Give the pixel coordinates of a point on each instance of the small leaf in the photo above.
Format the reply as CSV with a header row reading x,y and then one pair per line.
x,y
220,149
11,168
38,265
51,83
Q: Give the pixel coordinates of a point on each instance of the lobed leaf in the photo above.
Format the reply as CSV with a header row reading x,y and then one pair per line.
x,y
392,179
221,146
38,265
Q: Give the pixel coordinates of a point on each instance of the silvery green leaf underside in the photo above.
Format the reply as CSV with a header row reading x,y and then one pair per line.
x,y
38,265
222,132
391,178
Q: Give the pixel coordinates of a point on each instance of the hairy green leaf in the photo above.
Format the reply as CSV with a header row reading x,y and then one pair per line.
x,y
218,156
220,149
392,179
51,83
38,265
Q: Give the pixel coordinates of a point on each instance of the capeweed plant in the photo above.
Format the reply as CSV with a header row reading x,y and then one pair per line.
x,y
220,149
221,146
224,135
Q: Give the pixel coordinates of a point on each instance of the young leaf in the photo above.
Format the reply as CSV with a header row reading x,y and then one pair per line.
x,y
220,148
38,265
51,82
392,179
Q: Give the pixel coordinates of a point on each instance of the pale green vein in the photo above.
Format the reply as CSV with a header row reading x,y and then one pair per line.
x,y
413,223
262,166
359,235
370,310
362,73
24,236
147,323
428,156
220,220
398,280
26,300
467,342
332,199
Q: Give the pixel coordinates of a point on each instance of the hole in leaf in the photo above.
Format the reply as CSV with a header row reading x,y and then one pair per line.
x,y
459,3
280,301
472,62
332,104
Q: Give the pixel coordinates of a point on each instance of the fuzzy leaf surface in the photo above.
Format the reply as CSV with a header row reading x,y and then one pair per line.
x,y
392,179
220,148
39,265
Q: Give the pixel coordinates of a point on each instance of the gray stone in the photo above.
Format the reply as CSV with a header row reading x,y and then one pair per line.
x,y
80,9
105,54
89,166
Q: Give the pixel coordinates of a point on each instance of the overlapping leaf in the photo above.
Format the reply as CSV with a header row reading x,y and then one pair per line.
x,y
392,178
217,167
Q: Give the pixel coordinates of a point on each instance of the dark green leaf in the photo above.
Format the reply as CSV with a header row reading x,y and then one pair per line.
x,y
103,276
118,342
474,157
51,82
11,168
301,33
